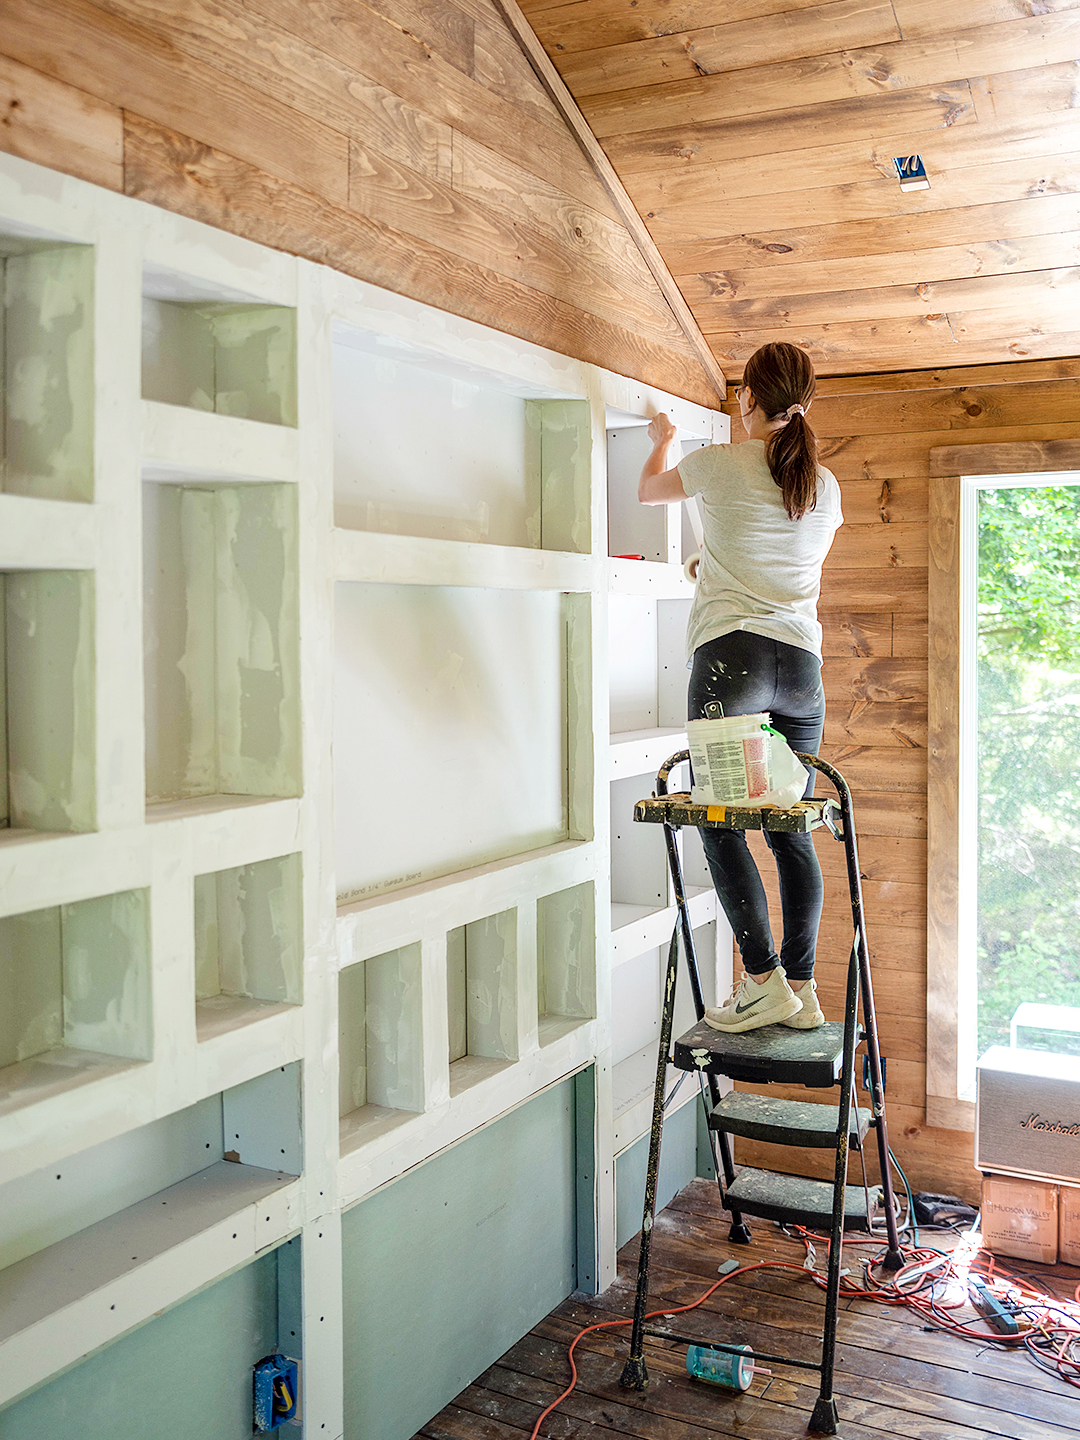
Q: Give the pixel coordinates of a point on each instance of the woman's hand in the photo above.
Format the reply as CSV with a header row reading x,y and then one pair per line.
x,y
661,430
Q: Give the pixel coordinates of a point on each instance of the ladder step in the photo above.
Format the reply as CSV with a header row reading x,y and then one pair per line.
x,y
786,1122
773,1053
795,1201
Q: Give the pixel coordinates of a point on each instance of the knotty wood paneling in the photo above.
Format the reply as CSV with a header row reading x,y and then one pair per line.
x,y
406,142
758,143
874,610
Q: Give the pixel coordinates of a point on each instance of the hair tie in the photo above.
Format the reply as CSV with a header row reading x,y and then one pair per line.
x,y
790,413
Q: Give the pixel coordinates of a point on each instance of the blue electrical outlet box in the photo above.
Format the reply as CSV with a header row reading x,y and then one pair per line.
x,y
911,172
275,1392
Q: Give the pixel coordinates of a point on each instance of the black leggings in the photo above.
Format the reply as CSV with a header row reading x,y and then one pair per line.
x,y
748,674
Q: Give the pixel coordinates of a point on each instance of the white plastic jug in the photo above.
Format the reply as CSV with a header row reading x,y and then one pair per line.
x,y
741,760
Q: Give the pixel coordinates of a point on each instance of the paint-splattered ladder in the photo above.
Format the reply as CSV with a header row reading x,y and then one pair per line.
x,y
774,1054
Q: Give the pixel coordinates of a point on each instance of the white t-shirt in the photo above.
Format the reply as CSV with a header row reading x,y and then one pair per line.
x,y
759,571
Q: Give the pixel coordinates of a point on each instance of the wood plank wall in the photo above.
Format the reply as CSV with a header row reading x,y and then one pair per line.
x,y
406,142
875,434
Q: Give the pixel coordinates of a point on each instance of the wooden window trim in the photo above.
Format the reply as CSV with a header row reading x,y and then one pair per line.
x,y
950,865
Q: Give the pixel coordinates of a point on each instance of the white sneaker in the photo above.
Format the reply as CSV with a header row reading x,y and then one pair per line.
x,y
754,1005
811,1015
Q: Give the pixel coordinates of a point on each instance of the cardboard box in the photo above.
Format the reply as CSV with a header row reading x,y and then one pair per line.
x,y
1069,1224
1020,1218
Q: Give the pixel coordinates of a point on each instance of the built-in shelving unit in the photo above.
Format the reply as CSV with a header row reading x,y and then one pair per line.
x,y
326,699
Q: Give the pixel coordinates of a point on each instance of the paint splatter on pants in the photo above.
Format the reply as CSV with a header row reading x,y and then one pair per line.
x,y
747,674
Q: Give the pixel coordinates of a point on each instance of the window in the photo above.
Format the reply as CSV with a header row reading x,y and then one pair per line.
x,y
968,888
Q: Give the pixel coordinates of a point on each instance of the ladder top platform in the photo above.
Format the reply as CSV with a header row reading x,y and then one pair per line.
x,y
773,1053
679,809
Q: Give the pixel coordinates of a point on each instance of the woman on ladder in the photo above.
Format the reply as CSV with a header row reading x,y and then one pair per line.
x,y
770,514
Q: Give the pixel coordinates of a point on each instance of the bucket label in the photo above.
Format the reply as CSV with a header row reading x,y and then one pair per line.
x,y
756,761
738,769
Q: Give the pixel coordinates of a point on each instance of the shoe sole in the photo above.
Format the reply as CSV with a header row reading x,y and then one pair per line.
x,y
794,1022
776,1015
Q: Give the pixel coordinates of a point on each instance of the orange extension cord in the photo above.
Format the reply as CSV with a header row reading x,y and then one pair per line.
x,y
1048,1337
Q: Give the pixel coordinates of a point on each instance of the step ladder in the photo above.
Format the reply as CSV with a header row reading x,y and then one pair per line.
x,y
774,1054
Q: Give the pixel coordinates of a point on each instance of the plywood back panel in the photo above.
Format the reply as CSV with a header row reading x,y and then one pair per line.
x,y
408,145
758,143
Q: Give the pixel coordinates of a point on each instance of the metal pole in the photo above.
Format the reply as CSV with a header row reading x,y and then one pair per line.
x,y
893,1258
635,1376
719,1140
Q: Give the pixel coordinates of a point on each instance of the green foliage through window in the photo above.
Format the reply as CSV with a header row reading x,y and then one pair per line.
x,y
1029,755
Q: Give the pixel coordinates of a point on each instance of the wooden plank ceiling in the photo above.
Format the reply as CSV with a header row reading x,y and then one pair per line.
x,y
756,139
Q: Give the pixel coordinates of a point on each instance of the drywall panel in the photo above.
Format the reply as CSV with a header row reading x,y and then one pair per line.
x,y
447,1267
77,976
450,730
233,359
565,434
220,640
47,370
352,1038
50,1204
106,945
566,952
262,1121
635,1004
49,657
417,452
482,987
639,873
678,1166
32,984
632,662
187,1372
248,931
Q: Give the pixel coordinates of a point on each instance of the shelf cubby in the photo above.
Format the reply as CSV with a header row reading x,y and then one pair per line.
x,y
646,664
205,347
46,368
657,533
566,959
456,698
248,943
47,740
220,640
380,1044
431,448
91,1243
76,982
481,996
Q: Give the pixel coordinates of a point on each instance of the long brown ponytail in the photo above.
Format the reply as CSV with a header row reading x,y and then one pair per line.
x,y
780,376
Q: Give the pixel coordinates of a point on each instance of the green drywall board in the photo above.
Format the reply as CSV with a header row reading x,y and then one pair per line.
x,y
187,1373
678,1166
447,1267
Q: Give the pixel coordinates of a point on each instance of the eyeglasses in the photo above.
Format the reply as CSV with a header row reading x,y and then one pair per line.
x,y
740,390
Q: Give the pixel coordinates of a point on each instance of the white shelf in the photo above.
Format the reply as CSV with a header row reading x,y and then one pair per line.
x,y
199,446
366,557
633,1085
67,1300
649,578
637,928
642,752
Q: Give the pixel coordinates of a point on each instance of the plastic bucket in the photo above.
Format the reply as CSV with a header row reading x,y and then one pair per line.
x,y
731,759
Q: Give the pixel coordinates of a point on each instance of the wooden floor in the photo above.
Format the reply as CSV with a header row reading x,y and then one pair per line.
x,y
893,1377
